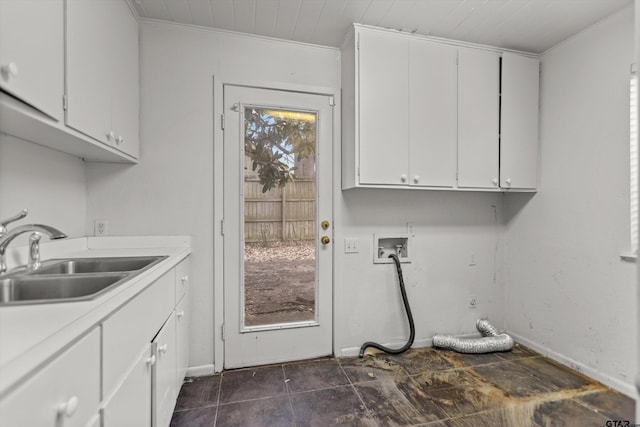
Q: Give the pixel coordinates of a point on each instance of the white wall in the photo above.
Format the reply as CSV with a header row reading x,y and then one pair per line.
x,y
449,228
568,292
172,190
49,183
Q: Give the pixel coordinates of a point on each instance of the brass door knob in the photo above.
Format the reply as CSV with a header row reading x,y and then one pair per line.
x,y
324,224
325,240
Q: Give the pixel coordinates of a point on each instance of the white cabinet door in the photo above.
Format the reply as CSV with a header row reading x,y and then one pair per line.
x,y
478,118
124,79
164,391
519,122
432,114
31,53
102,72
182,339
130,404
65,392
88,56
383,102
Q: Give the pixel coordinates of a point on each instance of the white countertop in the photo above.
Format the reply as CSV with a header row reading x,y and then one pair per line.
x,y
31,335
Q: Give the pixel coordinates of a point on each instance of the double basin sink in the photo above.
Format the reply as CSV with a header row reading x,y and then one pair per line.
x,y
65,280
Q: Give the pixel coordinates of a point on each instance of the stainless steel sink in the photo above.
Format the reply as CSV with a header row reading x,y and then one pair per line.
x,y
34,289
96,265
73,279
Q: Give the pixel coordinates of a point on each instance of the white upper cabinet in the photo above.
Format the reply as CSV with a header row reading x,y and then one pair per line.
x,y
478,118
432,114
383,107
31,53
102,72
519,122
423,113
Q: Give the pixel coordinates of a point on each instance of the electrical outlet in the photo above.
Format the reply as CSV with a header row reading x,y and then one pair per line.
x,y
351,246
100,227
473,302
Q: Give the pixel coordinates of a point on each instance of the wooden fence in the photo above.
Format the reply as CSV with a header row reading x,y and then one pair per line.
x,y
281,213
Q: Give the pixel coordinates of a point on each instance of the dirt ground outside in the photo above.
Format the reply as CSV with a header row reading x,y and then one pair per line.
x,y
279,282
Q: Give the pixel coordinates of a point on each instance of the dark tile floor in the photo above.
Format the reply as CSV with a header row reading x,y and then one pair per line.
x,y
422,387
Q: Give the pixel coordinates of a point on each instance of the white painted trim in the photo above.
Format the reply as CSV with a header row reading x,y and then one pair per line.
x,y
200,371
355,351
603,21
609,381
449,41
235,34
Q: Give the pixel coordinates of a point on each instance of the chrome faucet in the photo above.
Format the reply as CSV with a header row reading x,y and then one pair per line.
x,y
7,236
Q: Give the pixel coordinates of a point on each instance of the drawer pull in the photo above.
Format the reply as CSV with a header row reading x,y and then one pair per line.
x,y
162,348
151,360
69,407
185,280
180,314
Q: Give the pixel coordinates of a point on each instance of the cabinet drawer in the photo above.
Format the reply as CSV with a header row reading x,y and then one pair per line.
x,y
66,392
182,278
135,323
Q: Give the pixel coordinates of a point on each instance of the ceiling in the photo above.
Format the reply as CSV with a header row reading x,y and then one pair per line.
x,y
527,25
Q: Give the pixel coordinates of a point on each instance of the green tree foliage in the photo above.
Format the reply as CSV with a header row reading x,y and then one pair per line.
x,y
275,141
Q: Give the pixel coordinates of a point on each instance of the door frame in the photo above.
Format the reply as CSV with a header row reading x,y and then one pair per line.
x,y
217,364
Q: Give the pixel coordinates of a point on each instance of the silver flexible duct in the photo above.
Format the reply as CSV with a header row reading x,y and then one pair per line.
x,y
491,341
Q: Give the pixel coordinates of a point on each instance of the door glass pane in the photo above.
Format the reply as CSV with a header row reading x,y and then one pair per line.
x,y
279,280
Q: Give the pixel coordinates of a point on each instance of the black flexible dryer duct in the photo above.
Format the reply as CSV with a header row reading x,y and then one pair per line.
x,y
412,326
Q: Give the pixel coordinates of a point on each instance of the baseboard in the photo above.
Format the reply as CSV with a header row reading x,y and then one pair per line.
x,y
605,379
200,371
424,342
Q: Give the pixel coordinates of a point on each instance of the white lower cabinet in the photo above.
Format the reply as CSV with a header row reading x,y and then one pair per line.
x,y
164,391
129,404
182,339
125,372
66,392
144,356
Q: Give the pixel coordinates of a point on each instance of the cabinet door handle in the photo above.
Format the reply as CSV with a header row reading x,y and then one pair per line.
x,y
151,360
69,407
494,181
508,182
10,69
110,135
119,140
185,280
416,179
162,349
403,177
180,314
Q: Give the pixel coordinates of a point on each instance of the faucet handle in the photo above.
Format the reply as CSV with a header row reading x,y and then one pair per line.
x,y
5,222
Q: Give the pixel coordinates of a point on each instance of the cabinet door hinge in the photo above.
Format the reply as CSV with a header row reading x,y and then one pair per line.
x,y
358,171
222,121
332,101
222,332
222,227
64,102
358,42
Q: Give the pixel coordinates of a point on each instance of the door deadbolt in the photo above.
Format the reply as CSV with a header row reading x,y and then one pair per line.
x,y
325,240
324,224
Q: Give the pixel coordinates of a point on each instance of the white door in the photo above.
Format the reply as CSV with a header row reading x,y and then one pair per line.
x,y
277,226
478,118
519,121
383,103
